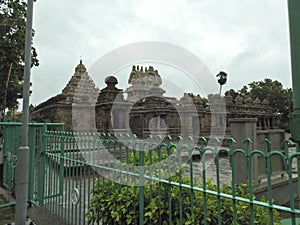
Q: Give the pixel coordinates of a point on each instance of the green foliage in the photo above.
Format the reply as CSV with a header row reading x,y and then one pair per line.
x,y
114,203
280,99
14,116
12,49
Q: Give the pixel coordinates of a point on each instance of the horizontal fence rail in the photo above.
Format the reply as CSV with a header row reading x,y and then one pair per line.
x,y
92,178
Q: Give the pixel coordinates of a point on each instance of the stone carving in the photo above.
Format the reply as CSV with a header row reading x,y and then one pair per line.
x,y
80,91
144,83
145,110
257,102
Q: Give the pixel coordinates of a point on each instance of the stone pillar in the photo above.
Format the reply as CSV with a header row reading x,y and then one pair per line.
x,y
241,129
258,126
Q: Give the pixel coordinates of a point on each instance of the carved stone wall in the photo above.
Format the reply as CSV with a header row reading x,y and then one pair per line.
x,y
81,106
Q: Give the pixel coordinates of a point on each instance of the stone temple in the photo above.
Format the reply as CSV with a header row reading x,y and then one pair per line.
x,y
143,109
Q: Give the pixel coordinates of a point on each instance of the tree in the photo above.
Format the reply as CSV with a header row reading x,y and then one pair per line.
x,y
280,99
12,51
232,92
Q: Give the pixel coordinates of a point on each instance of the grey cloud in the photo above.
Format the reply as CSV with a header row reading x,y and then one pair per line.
x,y
66,30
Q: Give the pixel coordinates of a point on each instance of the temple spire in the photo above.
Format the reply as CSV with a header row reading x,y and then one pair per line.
x,y
80,68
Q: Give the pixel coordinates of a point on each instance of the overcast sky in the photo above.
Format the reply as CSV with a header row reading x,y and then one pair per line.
x,y
248,39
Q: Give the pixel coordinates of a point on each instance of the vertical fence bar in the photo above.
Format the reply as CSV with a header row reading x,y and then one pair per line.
x,y
141,184
179,151
159,184
5,150
47,168
268,172
291,190
204,184
61,163
190,157
231,162
217,158
42,165
78,178
70,141
56,176
68,185
61,173
169,185
150,152
249,147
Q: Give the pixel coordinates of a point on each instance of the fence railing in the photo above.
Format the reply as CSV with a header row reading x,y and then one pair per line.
x,y
11,139
118,179
92,178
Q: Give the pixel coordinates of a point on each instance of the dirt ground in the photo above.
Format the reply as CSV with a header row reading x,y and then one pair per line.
x,y
7,214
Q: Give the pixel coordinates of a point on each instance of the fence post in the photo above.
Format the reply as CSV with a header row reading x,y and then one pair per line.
x,y
61,163
41,160
294,21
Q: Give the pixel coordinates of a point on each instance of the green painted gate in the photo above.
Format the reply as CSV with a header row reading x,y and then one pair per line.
x,y
11,136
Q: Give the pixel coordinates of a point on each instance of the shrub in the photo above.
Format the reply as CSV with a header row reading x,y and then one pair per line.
x,y
114,203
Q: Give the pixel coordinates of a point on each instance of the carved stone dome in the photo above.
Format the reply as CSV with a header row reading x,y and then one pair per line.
x,y
111,80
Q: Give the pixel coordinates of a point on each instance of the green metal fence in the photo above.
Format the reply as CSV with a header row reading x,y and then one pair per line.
x,y
97,178
11,136
92,178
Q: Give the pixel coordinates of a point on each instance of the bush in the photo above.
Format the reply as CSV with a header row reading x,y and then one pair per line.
x,y
113,203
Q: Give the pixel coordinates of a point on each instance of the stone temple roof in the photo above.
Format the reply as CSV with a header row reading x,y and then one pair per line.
x,y
148,76
144,82
79,90
80,87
